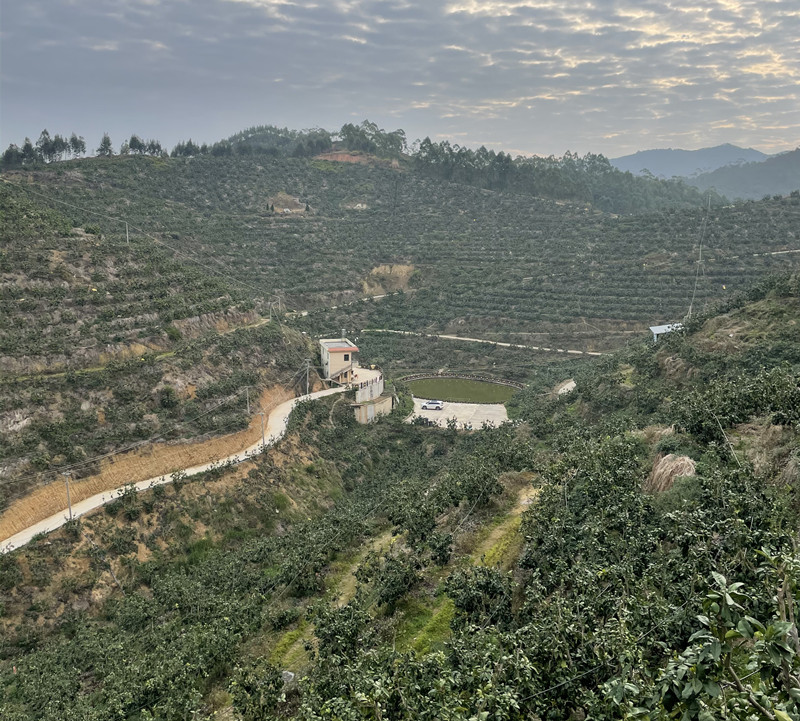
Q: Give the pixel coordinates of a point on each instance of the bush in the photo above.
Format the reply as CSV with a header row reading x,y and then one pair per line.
x,y
256,688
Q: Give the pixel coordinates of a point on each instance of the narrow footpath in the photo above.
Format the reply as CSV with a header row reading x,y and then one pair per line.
x,y
273,432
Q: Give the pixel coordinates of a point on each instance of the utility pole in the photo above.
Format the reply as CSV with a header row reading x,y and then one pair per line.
x,y
263,438
247,393
276,301
69,502
308,369
127,237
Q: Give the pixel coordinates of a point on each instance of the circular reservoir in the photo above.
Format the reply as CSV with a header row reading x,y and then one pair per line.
x,y
461,390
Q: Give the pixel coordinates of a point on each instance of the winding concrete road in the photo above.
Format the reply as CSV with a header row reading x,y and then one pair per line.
x,y
482,340
274,431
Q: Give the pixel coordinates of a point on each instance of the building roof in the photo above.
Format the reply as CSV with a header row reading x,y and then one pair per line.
x,y
338,344
659,329
367,374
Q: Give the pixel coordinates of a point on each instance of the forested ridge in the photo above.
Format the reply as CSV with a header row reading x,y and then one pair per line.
x,y
779,174
590,178
383,567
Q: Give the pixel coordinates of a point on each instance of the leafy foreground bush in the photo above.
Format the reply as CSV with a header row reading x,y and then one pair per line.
x,y
618,609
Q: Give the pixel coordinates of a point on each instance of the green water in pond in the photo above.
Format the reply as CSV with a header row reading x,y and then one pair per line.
x,y
460,390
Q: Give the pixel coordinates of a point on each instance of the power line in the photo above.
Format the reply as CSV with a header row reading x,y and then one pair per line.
x,y
700,257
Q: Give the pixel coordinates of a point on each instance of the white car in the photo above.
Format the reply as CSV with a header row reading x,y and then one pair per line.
x,y
433,405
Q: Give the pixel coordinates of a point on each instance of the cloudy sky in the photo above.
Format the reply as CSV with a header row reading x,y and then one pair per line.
x,y
525,76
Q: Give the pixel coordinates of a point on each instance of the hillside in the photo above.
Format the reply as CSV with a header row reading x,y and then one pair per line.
x,y
107,345
572,278
669,163
112,341
475,261
623,550
778,175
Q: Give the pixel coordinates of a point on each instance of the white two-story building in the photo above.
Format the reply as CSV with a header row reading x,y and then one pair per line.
x,y
339,365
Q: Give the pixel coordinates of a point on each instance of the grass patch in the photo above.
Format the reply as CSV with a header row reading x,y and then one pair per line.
x,y
507,547
437,629
285,651
416,614
460,390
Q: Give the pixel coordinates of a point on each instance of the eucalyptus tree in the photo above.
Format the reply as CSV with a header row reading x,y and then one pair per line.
x,y
77,145
105,149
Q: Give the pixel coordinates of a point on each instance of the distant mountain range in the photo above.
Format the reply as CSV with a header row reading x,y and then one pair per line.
x,y
687,163
777,175
732,171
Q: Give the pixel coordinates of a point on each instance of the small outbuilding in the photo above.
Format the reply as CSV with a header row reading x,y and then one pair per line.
x,y
659,330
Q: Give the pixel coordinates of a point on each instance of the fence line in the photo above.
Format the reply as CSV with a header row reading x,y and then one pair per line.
x,y
462,376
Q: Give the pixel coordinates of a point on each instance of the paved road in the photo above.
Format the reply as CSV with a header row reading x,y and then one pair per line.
x,y
482,340
275,428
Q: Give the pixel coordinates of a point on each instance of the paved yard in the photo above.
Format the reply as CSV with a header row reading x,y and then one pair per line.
x,y
467,415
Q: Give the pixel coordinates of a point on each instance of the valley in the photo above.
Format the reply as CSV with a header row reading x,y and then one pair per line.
x,y
621,543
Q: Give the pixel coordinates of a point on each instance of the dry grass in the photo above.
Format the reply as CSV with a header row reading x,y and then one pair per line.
x,y
155,460
387,279
665,470
768,447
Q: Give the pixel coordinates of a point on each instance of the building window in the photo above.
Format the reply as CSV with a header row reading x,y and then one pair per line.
x,y
347,356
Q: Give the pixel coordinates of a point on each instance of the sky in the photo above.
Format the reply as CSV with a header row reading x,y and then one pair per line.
x,y
524,76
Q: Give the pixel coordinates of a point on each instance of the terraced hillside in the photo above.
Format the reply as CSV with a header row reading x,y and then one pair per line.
x,y
479,262
74,298
105,345
625,550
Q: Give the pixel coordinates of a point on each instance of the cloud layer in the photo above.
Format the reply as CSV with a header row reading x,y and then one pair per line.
x,y
536,76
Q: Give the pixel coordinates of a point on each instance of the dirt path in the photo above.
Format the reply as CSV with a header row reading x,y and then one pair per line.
x,y
366,299
483,340
345,588
46,509
154,459
502,544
